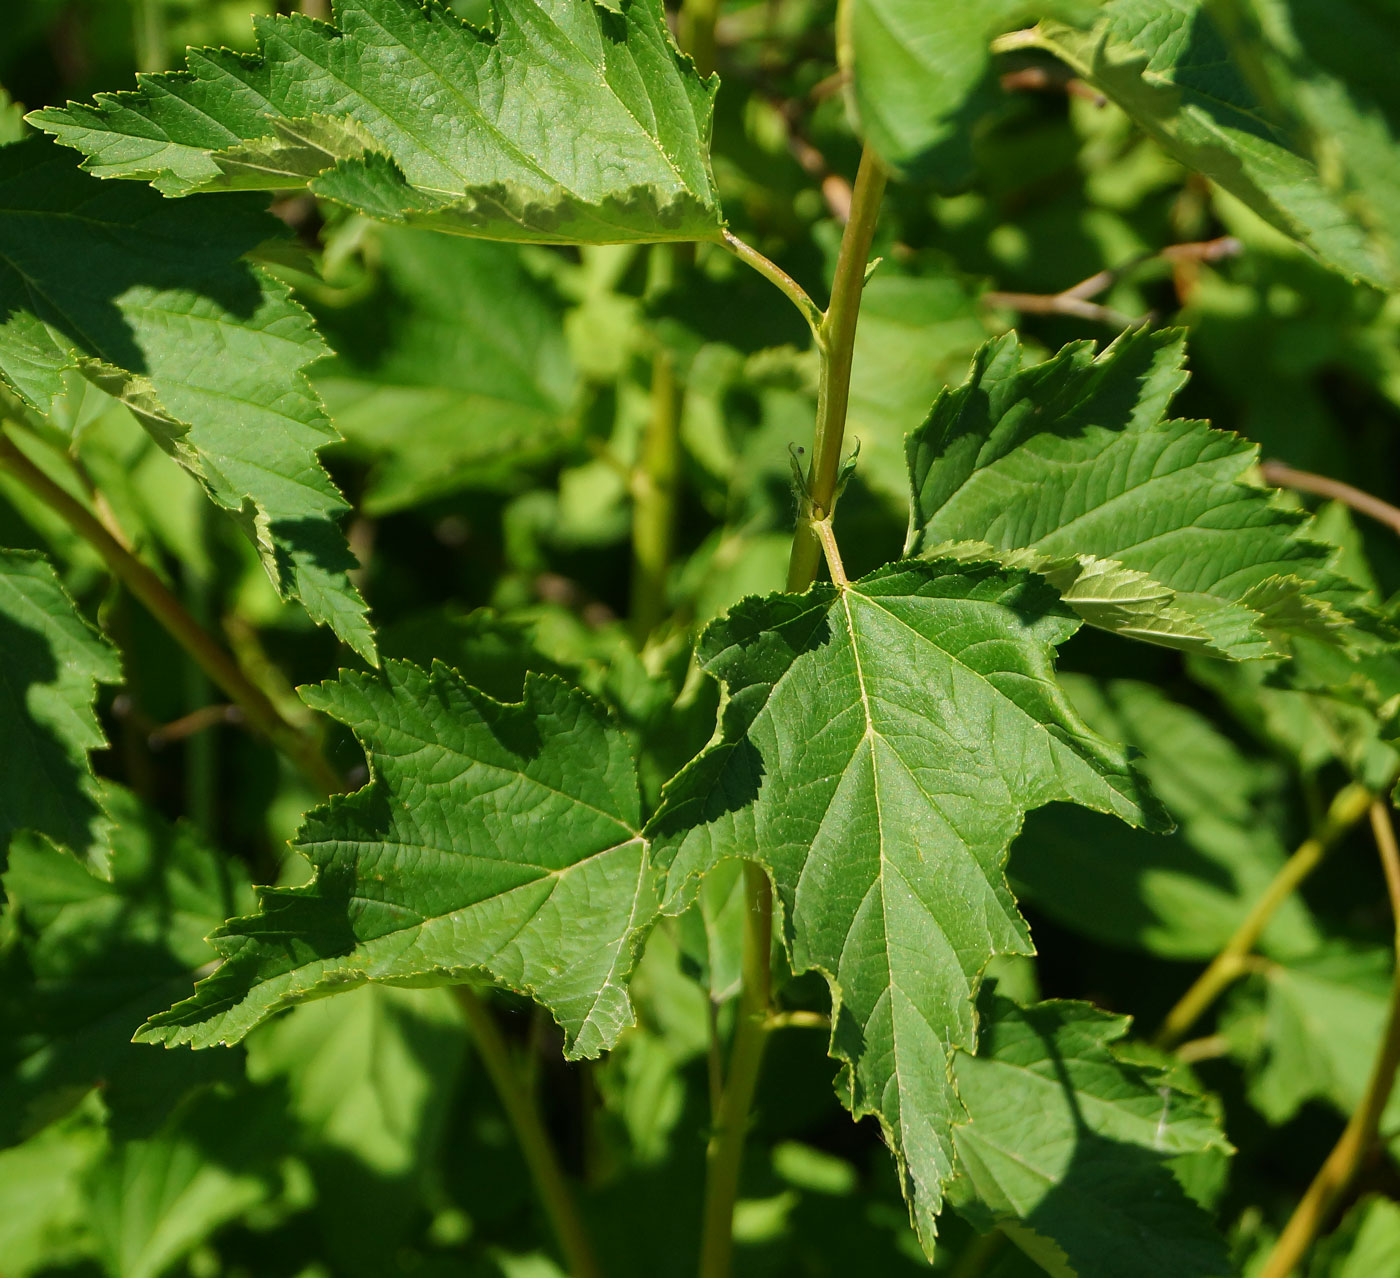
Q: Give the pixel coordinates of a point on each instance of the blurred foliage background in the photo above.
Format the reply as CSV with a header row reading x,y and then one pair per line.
x,y
492,401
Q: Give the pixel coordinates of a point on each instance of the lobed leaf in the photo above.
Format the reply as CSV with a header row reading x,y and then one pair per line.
x,y
1067,1148
495,839
1149,527
571,122
53,662
148,299
880,746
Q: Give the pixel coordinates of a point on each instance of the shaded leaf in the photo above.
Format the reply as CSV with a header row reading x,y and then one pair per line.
x,y
452,374
879,748
1165,63
94,956
496,839
1068,1148
1180,895
569,123
148,299
53,662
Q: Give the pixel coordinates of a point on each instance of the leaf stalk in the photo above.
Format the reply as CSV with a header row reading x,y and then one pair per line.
x,y
1347,808
779,278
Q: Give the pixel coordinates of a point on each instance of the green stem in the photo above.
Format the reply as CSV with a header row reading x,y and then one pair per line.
x,y
977,1257
697,32
836,343
555,1193
1340,1169
301,748
1346,810
732,1117
656,485
777,277
836,334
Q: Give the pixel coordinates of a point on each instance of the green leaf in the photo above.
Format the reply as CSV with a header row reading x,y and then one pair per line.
x,y
453,373
921,76
569,123
1180,895
879,748
94,955
52,665
1164,63
495,839
148,299
151,1202
1068,1148
1309,1029
372,1140
1149,527
1366,1241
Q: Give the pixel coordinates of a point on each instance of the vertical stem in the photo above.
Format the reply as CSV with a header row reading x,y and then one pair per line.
x,y
1349,806
656,488
731,1122
553,1189
300,747
836,341
1337,1173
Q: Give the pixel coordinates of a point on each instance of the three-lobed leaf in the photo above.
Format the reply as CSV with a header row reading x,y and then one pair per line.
x,y
149,300
880,746
570,122
495,839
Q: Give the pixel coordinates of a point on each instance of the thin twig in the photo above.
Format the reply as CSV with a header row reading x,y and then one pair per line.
x,y
1283,476
798,1018
1074,301
191,724
1052,79
1342,1165
1233,961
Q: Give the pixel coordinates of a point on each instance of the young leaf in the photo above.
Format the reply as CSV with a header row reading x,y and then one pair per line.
x,y
502,839
1164,62
94,955
1149,527
52,665
879,749
570,123
1068,1149
454,373
148,299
